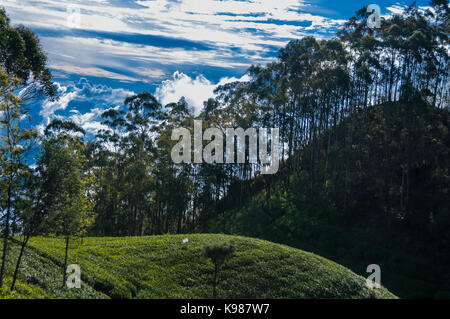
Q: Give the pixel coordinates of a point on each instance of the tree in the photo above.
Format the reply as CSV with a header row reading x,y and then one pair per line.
x,y
218,253
65,183
30,215
15,143
22,57
22,69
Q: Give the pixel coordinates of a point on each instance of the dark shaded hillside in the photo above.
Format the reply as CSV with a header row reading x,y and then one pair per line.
x,y
373,190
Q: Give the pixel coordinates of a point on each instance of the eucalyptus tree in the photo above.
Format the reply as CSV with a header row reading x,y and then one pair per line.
x,y
106,161
65,184
23,77
21,57
137,144
31,216
16,141
173,183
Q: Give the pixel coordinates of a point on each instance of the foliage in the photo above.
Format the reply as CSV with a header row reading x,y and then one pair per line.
x,y
23,76
320,94
218,253
165,267
371,220
364,132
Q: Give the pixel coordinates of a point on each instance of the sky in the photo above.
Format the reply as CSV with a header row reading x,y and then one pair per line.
x,y
101,51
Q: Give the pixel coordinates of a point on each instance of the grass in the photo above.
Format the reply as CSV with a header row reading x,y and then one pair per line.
x,y
164,267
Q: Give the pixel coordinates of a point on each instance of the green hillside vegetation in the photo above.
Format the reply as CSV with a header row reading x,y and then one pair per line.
x,y
364,179
361,213
164,267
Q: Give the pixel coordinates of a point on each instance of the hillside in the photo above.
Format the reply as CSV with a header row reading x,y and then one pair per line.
x,y
164,267
374,193
357,120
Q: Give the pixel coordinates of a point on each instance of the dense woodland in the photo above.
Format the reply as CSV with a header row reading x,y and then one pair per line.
x,y
364,129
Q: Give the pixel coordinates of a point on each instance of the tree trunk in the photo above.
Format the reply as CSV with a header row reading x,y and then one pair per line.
x,y
16,271
216,268
5,236
65,262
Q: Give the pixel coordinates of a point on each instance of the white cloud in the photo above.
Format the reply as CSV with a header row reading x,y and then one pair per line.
x,y
95,72
400,9
220,24
194,90
395,9
91,121
149,73
50,107
95,98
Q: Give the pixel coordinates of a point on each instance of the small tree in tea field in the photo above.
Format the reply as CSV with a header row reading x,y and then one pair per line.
x,y
218,253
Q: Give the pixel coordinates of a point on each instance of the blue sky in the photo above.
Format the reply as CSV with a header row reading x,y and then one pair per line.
x,y
172,48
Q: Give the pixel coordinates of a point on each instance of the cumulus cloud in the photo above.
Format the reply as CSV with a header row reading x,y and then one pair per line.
x,y
194,90
83,96
91,121
84,102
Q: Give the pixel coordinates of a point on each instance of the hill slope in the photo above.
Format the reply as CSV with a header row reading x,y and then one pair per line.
x,y
372,190
164,267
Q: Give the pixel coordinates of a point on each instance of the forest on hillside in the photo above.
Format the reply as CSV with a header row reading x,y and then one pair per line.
x,y
364,159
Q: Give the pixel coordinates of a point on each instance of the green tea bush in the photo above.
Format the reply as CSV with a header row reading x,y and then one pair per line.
x,y
166,267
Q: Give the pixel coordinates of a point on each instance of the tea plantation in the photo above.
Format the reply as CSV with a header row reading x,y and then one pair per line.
x,y
167,267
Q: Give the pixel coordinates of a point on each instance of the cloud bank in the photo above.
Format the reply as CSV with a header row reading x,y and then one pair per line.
x,y
115,39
